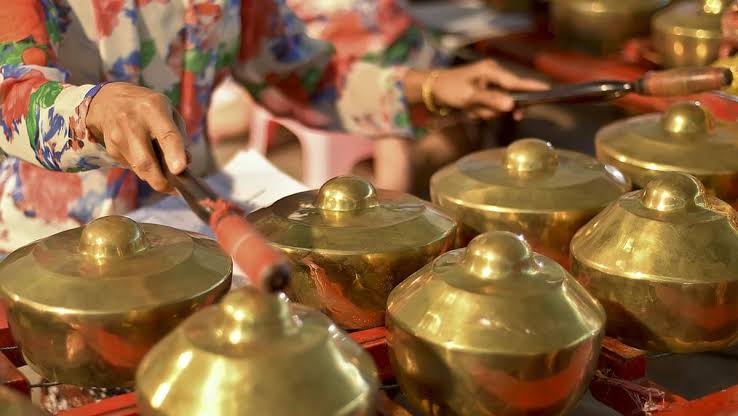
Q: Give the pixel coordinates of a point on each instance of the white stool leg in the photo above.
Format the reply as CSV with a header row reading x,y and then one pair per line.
x,y
327,155
317,166
346,151
261,129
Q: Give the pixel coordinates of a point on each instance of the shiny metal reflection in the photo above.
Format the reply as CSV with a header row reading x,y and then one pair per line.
x,y
493,329
528,188
85,305
351,244
688,33
602,26
685,138
257,354
662,262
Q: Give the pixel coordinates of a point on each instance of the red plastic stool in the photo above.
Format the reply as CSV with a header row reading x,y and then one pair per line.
x,y
325,154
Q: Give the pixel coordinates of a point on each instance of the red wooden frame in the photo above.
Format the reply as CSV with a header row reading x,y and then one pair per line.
x,y
125,405
7,345
619,383
6,340
373,340
11,377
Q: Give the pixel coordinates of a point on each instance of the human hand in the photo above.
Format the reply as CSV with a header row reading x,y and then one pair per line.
x,y
127,118
471,88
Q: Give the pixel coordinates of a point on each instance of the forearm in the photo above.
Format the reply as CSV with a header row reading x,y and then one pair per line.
x,y
44,121
43,117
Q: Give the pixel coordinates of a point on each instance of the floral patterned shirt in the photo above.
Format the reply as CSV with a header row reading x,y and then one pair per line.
x,y
56,54
354,27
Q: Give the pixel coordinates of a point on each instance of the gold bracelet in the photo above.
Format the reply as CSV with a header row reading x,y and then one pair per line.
x,y
427,92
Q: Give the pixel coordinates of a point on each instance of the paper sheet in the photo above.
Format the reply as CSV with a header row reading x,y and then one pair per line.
x,y
248,179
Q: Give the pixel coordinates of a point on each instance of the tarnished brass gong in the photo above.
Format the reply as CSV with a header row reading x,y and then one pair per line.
x,y
602,26
493,329
351,244
685,138
85,305
663,263
688,33
528,188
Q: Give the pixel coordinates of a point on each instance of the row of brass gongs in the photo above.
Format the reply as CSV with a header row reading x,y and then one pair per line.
x,y
498,327
683,33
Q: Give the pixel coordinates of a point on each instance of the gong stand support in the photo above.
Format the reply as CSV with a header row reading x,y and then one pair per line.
x,y
8,347
124,405
620,383
374,341
6,339
11,377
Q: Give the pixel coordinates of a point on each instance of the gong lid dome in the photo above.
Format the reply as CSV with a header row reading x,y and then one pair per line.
x,y
685,138
528,176
113,265
348,215
671,231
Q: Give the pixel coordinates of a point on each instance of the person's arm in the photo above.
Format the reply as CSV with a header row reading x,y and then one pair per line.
x,y
291,73
58,126
43,117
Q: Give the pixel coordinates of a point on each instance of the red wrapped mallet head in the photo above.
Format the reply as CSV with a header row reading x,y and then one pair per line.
x,y
267,268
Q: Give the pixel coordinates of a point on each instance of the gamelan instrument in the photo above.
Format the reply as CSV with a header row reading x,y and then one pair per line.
x,y
493,329
662,262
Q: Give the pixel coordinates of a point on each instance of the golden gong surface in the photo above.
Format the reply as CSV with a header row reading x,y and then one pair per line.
x,y
528,188
86,304
663,263
493,329
688,33
685,138
602,26
257,354
351,244
13,403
